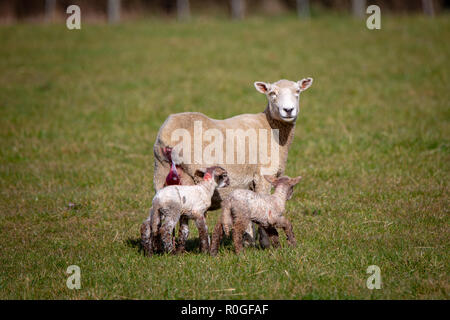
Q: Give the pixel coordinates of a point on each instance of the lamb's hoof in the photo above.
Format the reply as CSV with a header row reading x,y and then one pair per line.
x,y
248,241
180,251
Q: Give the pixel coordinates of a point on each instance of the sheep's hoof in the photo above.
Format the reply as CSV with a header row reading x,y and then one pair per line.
x,y
248,240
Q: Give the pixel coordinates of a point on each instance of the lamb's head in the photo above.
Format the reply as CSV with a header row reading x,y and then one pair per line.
x,y
285,183
284,97
216,174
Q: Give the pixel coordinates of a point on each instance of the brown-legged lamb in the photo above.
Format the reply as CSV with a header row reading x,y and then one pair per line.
x,y
280,114
175,202
266,210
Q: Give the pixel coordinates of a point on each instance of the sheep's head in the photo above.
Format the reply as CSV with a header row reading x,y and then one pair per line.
x,y
284,182
284,97
217,174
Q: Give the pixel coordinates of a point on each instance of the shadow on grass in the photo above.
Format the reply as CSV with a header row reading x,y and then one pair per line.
x,y
192,245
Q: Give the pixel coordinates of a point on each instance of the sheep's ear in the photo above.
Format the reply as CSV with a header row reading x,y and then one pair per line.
x,y
262,86
198,175
270,179
200,172
305,83
295,180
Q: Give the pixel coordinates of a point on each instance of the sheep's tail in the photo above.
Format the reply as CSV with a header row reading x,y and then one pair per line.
x,y
167,154
227,219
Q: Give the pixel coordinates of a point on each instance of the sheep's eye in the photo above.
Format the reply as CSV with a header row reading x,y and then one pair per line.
x,y
272,94
297,92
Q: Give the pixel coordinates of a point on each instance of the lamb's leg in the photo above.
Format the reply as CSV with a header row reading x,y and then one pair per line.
x,y
249,235
263,238
203,233
262,186
216,238
238,230
165,233
273,236
155,225
183,234
284,223
146,237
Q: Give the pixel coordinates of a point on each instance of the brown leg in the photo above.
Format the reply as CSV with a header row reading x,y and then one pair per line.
x,y
216,238
203,234
239,227
165,233
264,241
287,228
183,234
273,236
262,186
146,238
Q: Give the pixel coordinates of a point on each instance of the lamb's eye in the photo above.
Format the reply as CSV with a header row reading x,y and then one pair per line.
x,y
272,94
297,92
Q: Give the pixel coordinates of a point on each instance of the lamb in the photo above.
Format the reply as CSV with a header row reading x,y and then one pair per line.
x,y
178,202
243,206
280,114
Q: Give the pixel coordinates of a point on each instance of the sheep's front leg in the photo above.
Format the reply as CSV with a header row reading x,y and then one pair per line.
x,y
200,221
287,227
183,234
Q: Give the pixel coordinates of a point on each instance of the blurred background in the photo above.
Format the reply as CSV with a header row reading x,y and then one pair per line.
x,y
115,10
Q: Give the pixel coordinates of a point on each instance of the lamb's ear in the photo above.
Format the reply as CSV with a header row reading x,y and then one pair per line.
x,y
271,179
200,172
295,180
262,86
305,83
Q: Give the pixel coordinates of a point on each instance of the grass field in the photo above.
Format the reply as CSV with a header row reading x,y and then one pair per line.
x,y
80,111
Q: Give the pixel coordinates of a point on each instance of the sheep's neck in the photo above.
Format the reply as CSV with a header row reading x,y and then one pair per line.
x,y
209,186
287,130
280,197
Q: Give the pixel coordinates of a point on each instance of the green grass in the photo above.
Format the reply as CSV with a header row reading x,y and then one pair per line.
x,y
79,112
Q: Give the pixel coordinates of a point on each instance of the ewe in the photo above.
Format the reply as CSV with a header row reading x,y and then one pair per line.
x,y
279,117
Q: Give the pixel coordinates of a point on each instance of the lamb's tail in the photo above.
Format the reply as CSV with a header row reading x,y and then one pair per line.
x,y
227,219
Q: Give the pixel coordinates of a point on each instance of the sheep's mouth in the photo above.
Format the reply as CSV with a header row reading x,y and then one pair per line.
x,y
288,118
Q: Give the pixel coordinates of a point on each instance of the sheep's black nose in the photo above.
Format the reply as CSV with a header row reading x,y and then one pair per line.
x,y
288,110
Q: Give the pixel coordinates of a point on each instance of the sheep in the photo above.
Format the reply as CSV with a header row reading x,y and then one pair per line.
x,y
243,206
280,114
178,202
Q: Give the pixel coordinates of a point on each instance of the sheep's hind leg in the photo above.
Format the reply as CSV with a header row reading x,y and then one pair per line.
x,y
264,241
248,236
238,231
165,232
273,236
262,186
146,237
183,234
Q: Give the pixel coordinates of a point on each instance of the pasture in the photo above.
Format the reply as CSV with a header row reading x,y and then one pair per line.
x,y
80,111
